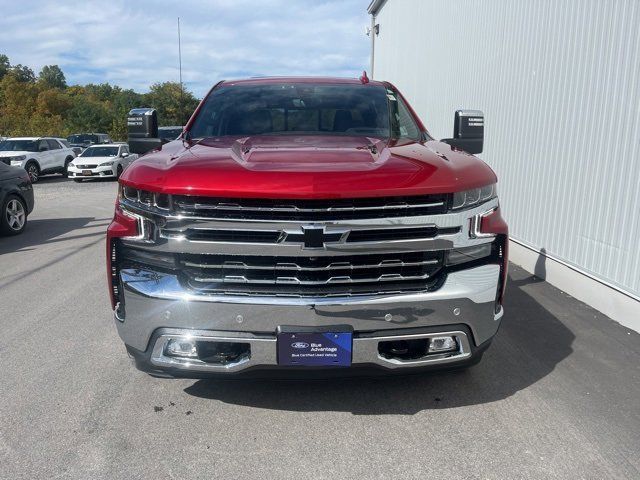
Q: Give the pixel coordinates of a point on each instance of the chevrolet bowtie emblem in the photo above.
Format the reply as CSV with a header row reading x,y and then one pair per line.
x,y
314,237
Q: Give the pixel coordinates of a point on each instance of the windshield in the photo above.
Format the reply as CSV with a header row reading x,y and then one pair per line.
x,y
100,152
19,146
83,138
299,108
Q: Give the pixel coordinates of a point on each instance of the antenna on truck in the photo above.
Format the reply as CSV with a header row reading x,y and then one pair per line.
x,y
364,79
181,112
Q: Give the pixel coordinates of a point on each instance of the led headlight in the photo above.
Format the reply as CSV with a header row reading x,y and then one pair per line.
x,y
107,164
473,197
17,160
144,197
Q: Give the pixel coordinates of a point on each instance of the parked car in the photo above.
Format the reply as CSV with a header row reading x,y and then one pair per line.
x,y
37,155
101,161
65,142
83,140
308,224
16,199
168,134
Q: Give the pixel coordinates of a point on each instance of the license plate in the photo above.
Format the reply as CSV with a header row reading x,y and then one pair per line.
x,y
87,173
314,348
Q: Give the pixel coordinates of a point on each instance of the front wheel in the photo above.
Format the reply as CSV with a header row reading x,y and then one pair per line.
x,y
33,171
14,216
118,171
77,180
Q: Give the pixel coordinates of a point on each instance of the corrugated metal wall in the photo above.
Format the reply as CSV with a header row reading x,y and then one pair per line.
x,y
559,82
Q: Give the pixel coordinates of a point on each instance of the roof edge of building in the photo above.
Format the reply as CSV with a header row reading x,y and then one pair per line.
x,y
375,6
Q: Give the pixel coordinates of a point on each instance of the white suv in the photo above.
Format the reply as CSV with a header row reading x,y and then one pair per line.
x,y
37,155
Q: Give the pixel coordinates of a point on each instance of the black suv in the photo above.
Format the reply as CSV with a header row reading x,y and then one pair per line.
x,y
83,140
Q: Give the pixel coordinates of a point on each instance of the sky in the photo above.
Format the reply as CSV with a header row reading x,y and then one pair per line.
x,y
134,43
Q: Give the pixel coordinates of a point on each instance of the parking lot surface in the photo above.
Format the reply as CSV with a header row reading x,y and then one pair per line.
x,y
556,396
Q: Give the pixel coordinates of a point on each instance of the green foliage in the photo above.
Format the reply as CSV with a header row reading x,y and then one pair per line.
x,y
23,73
173,105
46,106
52,77
4,65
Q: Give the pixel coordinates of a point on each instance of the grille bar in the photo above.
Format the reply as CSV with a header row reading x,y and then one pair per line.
x,y
294,208
391,277
310,210
294,266
280,236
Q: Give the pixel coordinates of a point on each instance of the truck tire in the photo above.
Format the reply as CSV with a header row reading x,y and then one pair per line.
x,y
14,216
33,170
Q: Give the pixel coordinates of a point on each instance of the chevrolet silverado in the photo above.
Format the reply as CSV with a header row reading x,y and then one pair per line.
x,y
300,225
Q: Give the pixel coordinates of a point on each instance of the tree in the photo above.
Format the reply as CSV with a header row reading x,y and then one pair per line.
x,y
87,114
52,76
23,73
49,107
173,105
18,105
5,66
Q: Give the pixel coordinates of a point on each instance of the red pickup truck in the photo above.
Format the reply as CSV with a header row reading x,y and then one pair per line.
x,y
308,224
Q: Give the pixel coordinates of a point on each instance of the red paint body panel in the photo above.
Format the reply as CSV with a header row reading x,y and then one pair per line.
x,y
306,167
120,226
303,166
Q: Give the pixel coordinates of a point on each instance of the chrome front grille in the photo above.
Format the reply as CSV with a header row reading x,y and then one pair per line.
x,y
299,248
310,210
230,234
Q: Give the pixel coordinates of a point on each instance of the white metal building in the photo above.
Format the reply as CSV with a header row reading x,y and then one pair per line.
x,y
559,83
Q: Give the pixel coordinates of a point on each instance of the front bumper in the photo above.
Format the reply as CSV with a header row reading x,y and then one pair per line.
x,y
102,172
157,308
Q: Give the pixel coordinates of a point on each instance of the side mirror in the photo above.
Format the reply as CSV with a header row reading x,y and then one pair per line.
x,y
468,131
142,124
42,148
124,154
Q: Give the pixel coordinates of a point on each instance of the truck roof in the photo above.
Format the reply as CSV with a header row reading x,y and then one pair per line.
x,y
321,80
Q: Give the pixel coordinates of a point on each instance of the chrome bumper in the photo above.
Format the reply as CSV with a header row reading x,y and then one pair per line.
x,y
155,301
263,351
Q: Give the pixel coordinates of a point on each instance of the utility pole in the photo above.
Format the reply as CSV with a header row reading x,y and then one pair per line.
x,y
181,107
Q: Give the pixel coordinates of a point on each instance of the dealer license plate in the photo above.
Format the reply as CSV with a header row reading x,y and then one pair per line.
x,y
315,349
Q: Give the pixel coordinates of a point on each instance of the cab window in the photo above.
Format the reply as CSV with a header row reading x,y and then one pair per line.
x,y
407,127
53,145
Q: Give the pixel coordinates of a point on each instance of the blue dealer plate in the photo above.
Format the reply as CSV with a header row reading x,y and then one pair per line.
x,y
314,349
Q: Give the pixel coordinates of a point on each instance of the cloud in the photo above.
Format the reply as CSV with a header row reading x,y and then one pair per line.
x,y
134,44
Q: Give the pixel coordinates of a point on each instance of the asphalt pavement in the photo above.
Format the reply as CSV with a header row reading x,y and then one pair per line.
x,y
556,396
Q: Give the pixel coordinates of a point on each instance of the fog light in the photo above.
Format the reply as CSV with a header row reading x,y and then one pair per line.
x,y
182,347
442,344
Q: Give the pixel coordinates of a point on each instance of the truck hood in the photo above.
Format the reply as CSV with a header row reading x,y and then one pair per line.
x,y
307,166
